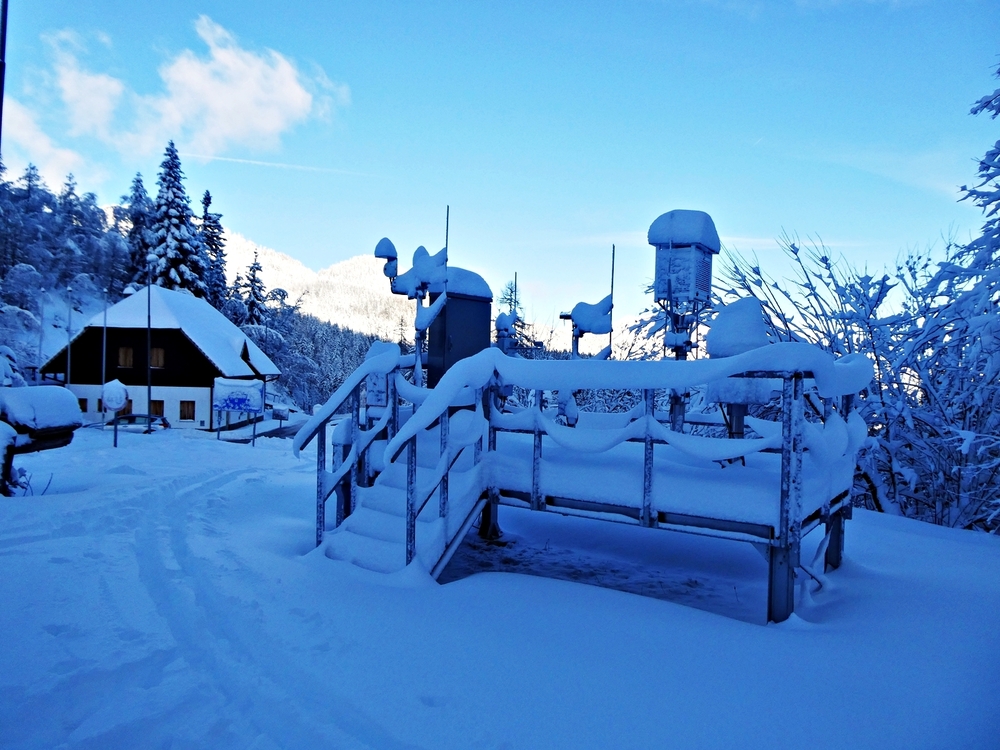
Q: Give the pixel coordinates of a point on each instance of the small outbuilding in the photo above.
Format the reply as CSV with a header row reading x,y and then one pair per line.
x,y
463,327
191,344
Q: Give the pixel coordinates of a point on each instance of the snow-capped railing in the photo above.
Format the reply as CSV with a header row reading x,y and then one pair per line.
x,y
791,363
385,365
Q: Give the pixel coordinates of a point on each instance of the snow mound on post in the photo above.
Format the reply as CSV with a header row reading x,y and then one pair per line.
x,y
593,318
685,227
739,327
40,407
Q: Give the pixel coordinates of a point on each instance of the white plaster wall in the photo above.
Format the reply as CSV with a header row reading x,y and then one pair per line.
x,y
171,397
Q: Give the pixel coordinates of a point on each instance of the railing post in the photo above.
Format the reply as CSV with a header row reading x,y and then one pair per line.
x,y
411,499
392,404
783,557
320,483
536,457
355,439
649,396
445,427
489,527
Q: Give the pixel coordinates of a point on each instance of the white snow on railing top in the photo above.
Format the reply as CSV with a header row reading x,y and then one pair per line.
x,y
834,377
382,363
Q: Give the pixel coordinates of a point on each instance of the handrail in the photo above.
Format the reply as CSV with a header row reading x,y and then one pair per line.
x,y
381,364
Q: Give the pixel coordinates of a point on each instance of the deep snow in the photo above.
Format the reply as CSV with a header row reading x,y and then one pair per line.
x,y
164,594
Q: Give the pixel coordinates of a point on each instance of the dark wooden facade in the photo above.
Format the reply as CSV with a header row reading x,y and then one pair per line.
x,y
184,364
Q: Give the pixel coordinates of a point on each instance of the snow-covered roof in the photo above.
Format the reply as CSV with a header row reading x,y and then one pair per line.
x,y
466,283
684,227
208,329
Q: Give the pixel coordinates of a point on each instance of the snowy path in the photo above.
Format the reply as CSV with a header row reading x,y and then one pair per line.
x,y
163,595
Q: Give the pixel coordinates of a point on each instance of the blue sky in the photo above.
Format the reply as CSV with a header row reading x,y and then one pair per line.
x,y
552,129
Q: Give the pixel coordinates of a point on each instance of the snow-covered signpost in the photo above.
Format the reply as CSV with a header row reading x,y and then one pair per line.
x,y
246,396
114,396
685,242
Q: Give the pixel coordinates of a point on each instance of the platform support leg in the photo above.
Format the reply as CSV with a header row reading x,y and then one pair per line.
x,y
835,546
780,584
489,525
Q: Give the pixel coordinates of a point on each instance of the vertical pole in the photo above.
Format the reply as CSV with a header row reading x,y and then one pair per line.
x,y
444,426
447,218
411,499
393,404
784,549
355,439
611,334
536,457
320,483
737,420
647,462
41,325
835,545
69,335
3,58
104,345
489,527
149,342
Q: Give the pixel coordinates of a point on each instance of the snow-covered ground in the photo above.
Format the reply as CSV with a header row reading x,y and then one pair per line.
x,y
164,594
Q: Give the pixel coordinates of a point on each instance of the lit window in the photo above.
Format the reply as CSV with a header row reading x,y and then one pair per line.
x,y
124,356
187,411
158,358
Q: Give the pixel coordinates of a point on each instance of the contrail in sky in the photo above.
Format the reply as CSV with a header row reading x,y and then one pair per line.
x,y
276,164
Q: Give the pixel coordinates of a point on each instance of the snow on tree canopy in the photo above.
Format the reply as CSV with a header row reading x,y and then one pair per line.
x,y
40,407
208,329
739,327
593,318
685,227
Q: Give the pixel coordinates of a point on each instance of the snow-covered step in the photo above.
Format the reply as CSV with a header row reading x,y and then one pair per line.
x,y
375,524
366,552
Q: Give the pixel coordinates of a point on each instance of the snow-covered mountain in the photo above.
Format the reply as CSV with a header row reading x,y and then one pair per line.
x,y
353,293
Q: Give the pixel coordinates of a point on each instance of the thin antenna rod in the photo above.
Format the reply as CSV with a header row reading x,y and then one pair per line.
x,y
611,315
447,217
3,54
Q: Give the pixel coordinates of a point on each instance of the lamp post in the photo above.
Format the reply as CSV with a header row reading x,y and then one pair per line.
x,y
3,54
69,335
41,330
149,343
104,351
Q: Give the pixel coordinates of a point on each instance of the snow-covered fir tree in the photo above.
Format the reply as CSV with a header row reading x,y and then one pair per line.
x,y
179,258
255,295
214,243
139,210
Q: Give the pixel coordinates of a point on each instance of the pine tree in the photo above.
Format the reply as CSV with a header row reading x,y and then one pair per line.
x,y
140,215
179,258
255,298
986,194
214,243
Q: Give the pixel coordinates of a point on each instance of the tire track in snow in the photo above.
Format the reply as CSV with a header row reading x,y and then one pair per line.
x,y
225,643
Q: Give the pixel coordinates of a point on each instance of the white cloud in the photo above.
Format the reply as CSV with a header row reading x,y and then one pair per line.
x,y
210,102
90,98
232,97
25,141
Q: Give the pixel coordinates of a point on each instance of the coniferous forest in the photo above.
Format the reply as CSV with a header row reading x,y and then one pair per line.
x,y
64,243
